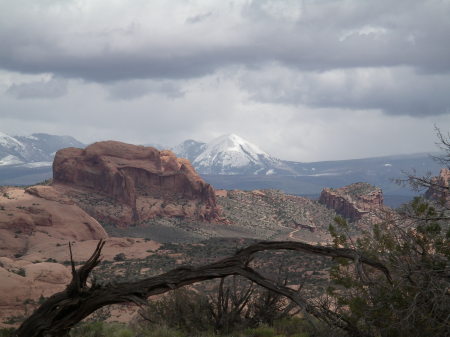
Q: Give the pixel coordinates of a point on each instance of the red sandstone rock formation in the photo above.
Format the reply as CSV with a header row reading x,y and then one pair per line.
x,y
135,182
37,214
352,201
440,190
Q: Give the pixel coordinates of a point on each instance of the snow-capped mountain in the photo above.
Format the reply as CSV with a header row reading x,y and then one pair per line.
x,y
229,154
35,150
189,149
10,150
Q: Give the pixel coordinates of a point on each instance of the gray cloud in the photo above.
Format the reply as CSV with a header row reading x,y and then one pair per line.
x,y
52,88
138,51
128,90
198,18
315,36
305,80
396,91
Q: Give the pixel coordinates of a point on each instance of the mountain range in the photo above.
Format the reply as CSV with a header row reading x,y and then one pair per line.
x,y
28,159
229,162
37,149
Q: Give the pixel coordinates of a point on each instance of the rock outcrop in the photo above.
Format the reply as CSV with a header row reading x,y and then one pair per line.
x,y
36,225
127,184
352,201
440,187
37,214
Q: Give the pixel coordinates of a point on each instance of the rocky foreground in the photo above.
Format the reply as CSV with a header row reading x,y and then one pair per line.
x,y
153,196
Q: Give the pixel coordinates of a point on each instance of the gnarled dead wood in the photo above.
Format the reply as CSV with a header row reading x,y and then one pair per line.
x,y
59,313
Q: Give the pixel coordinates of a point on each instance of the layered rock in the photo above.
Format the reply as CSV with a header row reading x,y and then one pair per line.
x,y
439,189
126,184
352,201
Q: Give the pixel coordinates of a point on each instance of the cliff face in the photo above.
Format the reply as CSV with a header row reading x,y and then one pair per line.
x,y
352,201
141,181
440,187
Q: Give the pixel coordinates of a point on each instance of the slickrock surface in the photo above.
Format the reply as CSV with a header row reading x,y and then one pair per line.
x,y
352,201
31,221
125,184
37,214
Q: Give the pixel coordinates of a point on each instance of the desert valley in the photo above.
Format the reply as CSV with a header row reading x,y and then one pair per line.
x,y
239,168
156,213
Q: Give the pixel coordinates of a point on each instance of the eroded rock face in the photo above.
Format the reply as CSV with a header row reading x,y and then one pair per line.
x,y
127,184
352,201
440,187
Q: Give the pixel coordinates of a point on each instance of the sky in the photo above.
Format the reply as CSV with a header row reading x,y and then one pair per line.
x,y
304,80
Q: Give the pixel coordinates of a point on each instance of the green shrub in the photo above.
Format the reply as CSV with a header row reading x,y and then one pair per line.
x,y
21,272
293,326
93,329
262,331
181,309
123,332
6,332
161,332
101,329
120,257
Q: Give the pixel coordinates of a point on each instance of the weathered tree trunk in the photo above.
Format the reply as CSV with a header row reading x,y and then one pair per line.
x,y
59,313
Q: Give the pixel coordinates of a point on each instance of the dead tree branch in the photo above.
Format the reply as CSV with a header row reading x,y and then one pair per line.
x,y
56,316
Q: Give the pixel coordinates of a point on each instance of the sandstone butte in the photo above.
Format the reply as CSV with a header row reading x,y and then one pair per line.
x,y
125,184
353,201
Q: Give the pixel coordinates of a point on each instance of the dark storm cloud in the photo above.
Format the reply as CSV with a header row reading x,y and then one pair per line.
x,y
109,44
325,35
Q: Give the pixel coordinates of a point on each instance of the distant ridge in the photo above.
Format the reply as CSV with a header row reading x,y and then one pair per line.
x,y
230,162
34,149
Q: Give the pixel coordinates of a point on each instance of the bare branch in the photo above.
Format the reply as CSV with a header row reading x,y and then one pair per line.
x,y
62,311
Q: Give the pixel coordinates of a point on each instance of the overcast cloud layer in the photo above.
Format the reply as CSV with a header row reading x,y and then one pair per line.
x,y
305,80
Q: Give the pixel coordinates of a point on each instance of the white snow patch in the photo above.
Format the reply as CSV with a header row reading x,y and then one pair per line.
x,y
387,165
324,174
10,160
9,141
270,172
38,164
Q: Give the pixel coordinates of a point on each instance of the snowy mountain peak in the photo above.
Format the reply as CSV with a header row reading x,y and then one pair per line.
x,y
232,154
234,143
